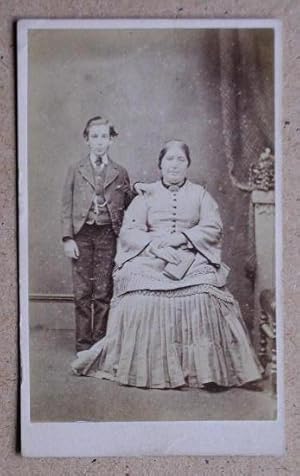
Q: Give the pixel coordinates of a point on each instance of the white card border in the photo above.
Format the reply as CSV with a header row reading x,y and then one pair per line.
x,y
143,438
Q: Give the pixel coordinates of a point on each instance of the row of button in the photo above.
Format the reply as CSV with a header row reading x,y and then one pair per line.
x,y
174,213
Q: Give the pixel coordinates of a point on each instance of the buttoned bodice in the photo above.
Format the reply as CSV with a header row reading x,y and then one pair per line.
x,y
173,209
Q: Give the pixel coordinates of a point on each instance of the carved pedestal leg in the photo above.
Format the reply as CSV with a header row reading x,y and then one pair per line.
x,y
262,354
274,362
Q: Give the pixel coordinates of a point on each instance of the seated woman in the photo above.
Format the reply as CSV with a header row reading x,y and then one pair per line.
x,y
172,321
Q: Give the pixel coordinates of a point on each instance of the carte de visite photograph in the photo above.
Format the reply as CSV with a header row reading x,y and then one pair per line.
x,y
150,237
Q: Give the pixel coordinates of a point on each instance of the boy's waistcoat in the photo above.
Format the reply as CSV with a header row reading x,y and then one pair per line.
x,y
79,191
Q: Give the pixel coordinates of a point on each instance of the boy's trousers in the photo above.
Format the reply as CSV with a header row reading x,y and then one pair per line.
x,y
92,281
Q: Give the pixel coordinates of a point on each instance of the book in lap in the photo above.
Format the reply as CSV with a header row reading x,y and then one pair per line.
x,y
178,271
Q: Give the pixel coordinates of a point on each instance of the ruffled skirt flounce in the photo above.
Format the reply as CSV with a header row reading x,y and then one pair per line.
x,y
169,339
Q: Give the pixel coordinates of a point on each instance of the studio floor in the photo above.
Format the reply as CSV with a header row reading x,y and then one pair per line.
x,y
58,395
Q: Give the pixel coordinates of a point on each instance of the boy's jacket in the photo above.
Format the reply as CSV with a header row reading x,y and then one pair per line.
x,y
79,191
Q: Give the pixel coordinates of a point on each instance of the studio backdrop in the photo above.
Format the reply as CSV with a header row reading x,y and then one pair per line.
x,y
211,88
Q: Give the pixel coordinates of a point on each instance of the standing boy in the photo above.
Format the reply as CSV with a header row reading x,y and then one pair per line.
x,y
96,194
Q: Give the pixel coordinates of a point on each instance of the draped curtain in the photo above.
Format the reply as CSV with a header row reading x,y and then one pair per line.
x,y
247,97
247,93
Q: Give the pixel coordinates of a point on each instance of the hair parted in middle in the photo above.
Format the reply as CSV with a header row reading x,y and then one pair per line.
x,y
182,145
99,121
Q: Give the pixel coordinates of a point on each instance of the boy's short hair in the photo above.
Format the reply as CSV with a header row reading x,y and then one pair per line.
x,y
98,120
182,145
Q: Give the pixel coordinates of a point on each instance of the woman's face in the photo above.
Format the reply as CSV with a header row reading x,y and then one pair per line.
x,y
174,165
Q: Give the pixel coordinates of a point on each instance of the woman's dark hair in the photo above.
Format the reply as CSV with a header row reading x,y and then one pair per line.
x,y
98,120
182,145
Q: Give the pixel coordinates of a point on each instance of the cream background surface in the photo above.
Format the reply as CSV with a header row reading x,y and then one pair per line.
x,y
11,462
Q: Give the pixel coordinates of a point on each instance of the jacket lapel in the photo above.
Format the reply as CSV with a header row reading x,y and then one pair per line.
x,y
85,168
112,173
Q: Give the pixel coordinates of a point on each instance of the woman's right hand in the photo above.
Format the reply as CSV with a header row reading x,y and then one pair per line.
x,y
71,249
167,254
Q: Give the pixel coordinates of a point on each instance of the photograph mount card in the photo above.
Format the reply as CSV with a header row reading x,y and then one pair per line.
x,y
149,163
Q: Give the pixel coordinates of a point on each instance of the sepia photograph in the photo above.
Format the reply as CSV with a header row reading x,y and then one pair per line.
x,y
150,237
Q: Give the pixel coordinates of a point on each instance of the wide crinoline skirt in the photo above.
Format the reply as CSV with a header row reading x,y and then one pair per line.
x,y
169,339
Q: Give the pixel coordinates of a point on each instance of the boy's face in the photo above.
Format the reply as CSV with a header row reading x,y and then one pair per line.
x,y
99,139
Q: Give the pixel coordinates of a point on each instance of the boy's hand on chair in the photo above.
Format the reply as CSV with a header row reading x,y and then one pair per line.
x,y
142,188
71,249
